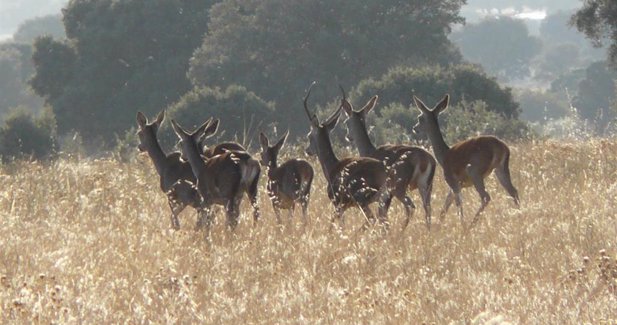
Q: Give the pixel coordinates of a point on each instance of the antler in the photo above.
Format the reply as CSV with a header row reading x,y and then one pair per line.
x,y
311,117
343,91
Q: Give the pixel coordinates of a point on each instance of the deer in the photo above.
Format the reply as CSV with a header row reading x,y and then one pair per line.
x,y
408,167
289,182
351,181
250,185
218,149
467,163
176,178
220,179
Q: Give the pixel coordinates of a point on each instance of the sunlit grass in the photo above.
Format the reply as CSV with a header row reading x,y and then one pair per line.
x,y
91,242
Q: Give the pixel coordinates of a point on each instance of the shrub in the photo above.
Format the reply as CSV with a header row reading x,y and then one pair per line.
x,y
242,113
25,135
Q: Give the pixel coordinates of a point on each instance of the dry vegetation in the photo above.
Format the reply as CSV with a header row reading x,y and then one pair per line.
x,y
90,242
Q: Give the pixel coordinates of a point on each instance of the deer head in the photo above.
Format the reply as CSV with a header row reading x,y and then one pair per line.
x,y
147,131
319,131
269,154
429,118
356,121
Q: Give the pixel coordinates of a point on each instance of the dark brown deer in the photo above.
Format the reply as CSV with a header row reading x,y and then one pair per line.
x,y
219,148
250,185
351,181
468,162
220,179
289,182
175,176
408,167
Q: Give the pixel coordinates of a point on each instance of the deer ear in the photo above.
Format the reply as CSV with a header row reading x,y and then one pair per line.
x,y
201,130
281,142
178,129
443,104
369,105
213,126
346,105
263,140
159,118
420,105
142,121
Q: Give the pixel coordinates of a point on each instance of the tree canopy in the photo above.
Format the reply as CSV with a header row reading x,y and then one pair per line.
x,y
121,56
277,47
598,20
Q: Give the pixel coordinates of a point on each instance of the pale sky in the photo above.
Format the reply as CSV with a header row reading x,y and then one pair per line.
x,y
14,12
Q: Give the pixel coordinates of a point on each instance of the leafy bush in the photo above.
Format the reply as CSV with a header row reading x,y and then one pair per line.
x,y
467,119
430,83
26,135
242,113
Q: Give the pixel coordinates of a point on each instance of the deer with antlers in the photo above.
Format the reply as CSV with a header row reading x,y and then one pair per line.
x,y
466,163
351,181
288,183
175,175
220,179
408,167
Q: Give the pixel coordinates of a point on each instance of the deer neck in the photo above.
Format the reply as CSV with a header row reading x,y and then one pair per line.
x,y
327,157
363,141
158,156
440,147
194,157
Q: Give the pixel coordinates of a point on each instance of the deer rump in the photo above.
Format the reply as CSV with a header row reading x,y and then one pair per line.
x,y
356,181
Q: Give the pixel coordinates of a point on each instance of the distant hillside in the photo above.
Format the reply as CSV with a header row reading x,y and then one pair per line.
x,y
14,12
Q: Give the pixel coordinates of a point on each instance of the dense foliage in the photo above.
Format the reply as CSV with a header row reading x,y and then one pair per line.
x,y
121,56
24,135
277,47
598,20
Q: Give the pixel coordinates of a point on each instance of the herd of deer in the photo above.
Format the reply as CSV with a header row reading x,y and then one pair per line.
x,y
200,177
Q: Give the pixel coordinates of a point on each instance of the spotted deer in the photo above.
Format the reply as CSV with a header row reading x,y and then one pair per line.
x,y
466,163
220,179
289,182
408,167
351,181
175,176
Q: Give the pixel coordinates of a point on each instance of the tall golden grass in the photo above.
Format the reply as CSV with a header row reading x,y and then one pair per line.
x,y
90,242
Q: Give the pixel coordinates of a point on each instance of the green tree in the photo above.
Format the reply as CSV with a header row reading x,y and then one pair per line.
x,y
502,45
598,20
26,135
596,94
277,47
120,56
242,113
431,82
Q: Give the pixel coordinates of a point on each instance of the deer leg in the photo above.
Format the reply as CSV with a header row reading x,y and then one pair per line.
x,y
409,209
478,183
384,205
446,206
425,194
338,214
368,216
176,208
252,194
503,175
233,212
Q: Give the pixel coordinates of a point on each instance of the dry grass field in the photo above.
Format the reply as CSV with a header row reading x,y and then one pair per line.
x,y
90,242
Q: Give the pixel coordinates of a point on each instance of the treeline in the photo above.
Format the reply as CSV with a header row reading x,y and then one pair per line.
x,y
249,63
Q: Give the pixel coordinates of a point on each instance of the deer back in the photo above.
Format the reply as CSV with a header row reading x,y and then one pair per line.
x,y
486,152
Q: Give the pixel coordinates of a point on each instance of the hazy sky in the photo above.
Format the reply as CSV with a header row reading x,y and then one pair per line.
x,y
14,12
